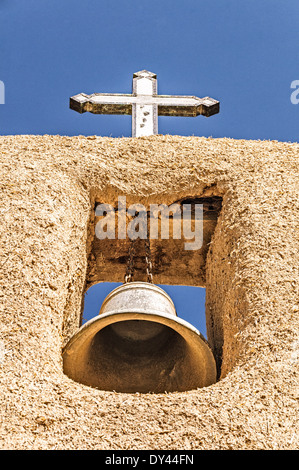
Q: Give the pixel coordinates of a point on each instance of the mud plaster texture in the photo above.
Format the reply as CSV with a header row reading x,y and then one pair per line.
x,y
48,188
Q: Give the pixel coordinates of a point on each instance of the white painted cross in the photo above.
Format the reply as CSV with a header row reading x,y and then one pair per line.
x,y
144,104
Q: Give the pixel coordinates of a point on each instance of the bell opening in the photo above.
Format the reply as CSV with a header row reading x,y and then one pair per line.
x,y
136,356
134,341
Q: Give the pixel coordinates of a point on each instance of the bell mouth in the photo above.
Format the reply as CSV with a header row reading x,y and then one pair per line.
x,y
133,344
133,352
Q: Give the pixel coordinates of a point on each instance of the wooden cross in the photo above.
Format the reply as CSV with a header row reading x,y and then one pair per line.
x,y
144,104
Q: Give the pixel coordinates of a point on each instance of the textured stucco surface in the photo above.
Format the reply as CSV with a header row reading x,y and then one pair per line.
x,y
48,188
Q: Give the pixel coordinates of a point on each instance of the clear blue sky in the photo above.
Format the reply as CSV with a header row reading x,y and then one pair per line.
x,y
243,53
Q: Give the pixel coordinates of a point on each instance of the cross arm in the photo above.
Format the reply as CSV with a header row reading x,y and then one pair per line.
x,y
187,106
102,103
168,105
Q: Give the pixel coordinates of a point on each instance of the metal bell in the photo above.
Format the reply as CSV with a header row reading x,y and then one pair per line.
x,y
138,344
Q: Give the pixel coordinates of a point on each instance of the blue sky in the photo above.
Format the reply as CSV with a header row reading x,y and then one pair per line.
x,y
243,53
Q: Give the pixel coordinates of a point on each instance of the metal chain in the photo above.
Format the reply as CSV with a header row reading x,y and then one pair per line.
x,y
130,265
148,260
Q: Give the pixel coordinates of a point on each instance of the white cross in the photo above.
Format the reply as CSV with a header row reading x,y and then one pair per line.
x,y
144,104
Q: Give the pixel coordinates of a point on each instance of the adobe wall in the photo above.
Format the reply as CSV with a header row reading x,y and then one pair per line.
x,y
48,188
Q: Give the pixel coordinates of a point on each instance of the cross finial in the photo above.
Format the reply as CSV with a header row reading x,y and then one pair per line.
x,y
144,73
144,104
